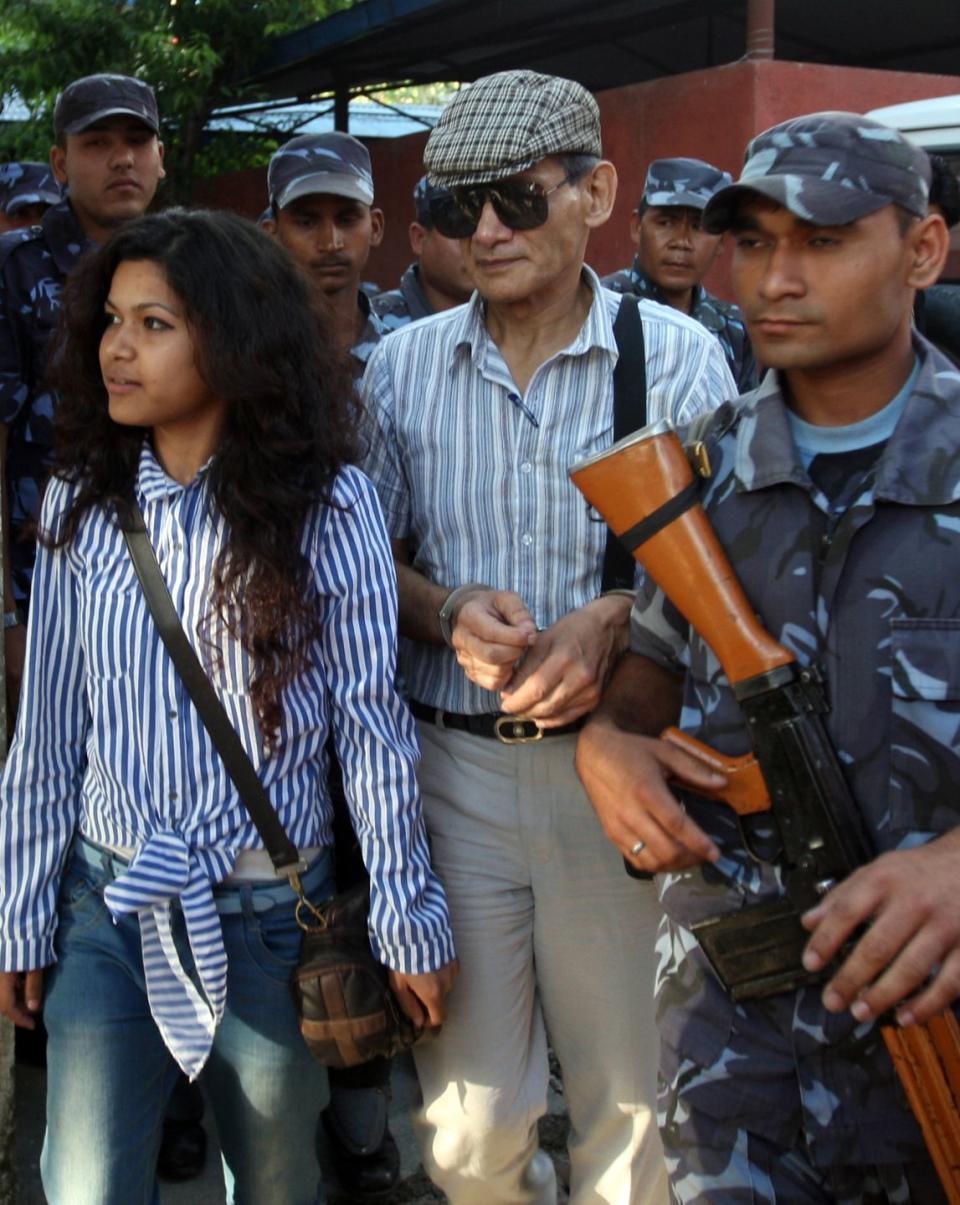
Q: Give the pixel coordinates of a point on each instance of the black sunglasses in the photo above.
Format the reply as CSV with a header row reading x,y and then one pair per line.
x,y
520,205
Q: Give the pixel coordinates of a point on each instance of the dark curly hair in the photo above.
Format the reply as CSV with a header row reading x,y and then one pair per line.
x,y
263,344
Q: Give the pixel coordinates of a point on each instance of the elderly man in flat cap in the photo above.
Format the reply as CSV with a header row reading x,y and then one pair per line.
x,y
835,491
513,622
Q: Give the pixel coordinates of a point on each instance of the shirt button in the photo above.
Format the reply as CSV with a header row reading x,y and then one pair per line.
x,y
173,796
172,713
526,467
526,539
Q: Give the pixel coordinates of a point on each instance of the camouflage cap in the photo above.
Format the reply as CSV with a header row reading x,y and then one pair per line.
x,y
320,163
423,193
504,123
687,182
94,97
828,169
27,184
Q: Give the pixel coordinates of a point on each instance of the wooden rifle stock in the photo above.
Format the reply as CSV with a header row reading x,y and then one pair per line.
x,y
644,488
684,558
927,1059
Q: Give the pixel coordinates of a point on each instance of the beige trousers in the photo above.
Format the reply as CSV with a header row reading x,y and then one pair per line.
x,y
549,930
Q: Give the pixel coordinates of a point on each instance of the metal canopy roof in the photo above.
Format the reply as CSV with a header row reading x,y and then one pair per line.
x,y
602,43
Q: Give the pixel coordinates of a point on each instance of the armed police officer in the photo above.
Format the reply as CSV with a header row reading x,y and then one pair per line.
x,y
436,281
109,157
835,490
27,190
322,211
674,254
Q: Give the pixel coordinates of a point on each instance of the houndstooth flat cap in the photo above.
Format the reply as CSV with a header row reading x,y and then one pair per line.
x,y
505,123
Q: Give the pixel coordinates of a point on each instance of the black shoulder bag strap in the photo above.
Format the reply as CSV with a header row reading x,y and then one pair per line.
x,y
629,415
283,853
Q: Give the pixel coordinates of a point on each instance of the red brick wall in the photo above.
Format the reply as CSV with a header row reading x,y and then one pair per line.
x,y
706,114
713,114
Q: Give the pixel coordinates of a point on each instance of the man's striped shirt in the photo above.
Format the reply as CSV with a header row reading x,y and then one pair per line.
x,y
474,474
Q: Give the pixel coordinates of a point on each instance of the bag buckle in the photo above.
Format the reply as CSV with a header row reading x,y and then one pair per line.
x,y
315,922
517,730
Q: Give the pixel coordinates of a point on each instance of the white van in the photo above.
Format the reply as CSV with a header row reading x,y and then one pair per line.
x,y
935,125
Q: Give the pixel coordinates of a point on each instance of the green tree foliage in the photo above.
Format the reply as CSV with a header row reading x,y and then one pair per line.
x,y
191,51
417,94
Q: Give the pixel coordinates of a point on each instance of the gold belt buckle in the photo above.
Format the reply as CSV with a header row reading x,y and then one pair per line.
x,y
513,730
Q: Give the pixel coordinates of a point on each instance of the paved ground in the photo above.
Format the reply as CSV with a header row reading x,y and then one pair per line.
x,y
415,1188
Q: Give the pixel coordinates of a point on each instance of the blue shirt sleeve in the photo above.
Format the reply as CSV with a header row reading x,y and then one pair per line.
x,y
39,792
373,731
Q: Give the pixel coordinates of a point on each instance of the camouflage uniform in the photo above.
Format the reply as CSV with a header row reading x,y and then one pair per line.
x,y
10,175
398,307
721,317
338,165
373,331
34,264
854,593
690,184
27,184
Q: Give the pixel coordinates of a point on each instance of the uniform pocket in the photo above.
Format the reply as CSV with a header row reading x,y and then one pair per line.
x,y
694,1013
925,724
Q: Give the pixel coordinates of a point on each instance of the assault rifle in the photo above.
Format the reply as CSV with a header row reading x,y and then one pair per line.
x,y
645,489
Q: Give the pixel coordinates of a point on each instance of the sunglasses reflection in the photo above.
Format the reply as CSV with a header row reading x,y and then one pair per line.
x,y
518,204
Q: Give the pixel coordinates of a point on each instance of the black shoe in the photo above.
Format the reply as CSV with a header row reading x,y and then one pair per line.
x,y
367,1175
183,1150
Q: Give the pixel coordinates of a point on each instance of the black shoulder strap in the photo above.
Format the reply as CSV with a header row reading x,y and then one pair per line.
x,y
282,851
629,415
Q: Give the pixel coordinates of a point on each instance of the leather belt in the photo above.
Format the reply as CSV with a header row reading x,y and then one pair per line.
x,y
498,725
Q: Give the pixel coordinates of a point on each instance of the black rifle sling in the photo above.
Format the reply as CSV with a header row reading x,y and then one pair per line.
x,y
629,415
282,851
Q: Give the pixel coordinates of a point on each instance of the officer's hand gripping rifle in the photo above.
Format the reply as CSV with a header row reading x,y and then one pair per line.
x,y
644,488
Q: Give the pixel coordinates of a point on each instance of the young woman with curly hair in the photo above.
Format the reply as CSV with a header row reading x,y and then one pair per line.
x,y
197,378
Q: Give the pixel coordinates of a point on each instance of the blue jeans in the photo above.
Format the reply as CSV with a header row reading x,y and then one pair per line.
x,y
110,1075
